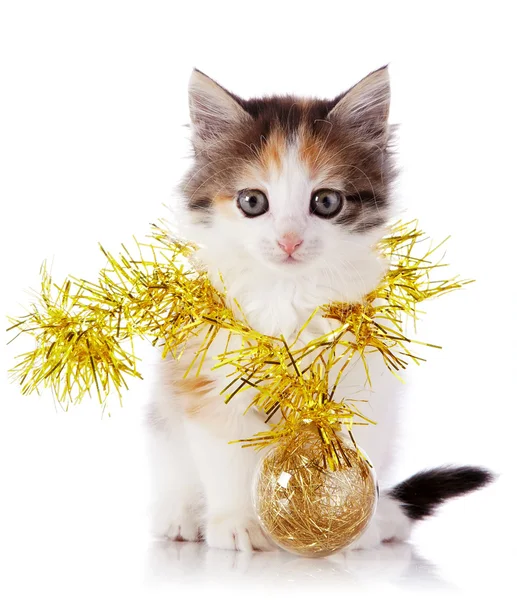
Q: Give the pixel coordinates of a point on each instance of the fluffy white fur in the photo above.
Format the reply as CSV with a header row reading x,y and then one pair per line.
x,y
202,484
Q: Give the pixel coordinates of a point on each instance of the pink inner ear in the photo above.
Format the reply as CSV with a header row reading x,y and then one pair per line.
x,y
213,110
367,103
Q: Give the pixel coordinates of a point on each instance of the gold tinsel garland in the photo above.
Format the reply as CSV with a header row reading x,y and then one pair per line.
x,y
84,334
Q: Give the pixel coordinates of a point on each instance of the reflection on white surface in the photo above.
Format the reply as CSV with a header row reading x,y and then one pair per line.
x,y
185,562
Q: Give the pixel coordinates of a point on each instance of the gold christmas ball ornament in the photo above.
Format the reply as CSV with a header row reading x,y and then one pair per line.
x,y
307,508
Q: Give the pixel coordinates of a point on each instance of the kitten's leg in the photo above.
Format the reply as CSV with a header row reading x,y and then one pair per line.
x,y
175,485
379,442
226,471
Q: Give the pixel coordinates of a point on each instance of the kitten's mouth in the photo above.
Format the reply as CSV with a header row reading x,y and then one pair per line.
x,y
290,260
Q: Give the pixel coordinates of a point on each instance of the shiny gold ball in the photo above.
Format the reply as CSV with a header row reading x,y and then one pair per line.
x,y
305,507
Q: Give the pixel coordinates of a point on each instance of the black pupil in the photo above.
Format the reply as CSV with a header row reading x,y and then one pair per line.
x,y
327,201
252,201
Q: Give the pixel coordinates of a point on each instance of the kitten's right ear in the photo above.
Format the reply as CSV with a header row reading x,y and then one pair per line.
x,y
366,105
213,110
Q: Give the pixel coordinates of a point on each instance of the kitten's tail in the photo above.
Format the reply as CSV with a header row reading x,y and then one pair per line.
x,y
416,498
421,494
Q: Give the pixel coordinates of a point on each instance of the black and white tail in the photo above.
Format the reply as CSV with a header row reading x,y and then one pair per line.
x,y
416,498
422,493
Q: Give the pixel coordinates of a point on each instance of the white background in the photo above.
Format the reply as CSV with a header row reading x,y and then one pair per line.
x,y
93,106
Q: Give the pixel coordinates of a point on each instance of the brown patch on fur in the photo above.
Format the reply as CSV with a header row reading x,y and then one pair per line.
x,y
194,385
194,407
224,203
195,394
272,150
310,149
223,198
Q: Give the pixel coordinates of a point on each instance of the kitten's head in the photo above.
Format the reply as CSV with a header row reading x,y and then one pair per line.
x,y
288,183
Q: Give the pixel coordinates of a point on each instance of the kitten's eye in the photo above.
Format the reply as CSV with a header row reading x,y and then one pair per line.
x,y
326,203
253,203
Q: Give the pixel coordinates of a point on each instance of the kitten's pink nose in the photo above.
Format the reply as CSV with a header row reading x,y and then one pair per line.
x,y
290,242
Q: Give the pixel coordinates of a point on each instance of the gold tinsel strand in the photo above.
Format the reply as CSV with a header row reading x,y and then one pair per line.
x,y
84,334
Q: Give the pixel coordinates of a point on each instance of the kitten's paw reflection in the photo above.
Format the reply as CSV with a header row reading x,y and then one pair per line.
x,y
170,560
228,561
396,563
236,533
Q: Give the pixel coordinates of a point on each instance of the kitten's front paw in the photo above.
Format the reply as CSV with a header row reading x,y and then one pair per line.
x,y
236,533
184,529
178,526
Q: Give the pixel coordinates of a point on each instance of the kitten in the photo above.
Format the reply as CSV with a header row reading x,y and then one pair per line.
x,y
286,199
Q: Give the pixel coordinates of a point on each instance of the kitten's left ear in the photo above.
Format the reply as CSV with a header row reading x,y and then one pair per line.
x,y
213,110
366,106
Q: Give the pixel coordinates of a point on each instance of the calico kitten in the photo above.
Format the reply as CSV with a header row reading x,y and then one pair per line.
x,y
286,199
